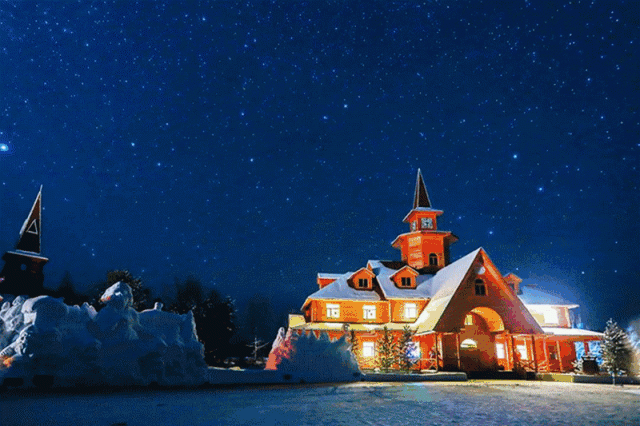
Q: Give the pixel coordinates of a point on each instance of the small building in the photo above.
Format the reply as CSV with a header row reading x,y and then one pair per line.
x,y
22,273
465,314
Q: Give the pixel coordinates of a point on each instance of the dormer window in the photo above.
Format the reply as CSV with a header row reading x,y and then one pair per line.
x,y
406,282
481,289
363,283
433,259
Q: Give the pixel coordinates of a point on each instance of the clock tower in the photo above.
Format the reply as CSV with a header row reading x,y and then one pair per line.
x,y
424,247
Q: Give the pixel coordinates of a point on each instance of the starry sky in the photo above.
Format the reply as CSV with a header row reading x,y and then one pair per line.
x,y
256,144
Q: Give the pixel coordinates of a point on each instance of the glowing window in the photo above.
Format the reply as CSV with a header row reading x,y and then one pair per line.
x,y
369,312
522,350
550,316
481,289
405,282
410,310
363,283
433,259
333,310
368,349
469,344
500,351
468,320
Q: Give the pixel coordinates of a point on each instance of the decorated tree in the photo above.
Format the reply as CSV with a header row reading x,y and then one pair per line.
x,y
616,350
407,349
387,351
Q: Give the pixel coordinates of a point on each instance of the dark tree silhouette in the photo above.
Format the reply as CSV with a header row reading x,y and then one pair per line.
x,y
67,291
141,294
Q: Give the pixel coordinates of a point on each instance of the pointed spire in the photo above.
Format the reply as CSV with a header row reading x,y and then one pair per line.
x,y
421,198
32,228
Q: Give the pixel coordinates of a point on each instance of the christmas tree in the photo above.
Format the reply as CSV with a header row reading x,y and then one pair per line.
x,y
616,351
387,351
407,351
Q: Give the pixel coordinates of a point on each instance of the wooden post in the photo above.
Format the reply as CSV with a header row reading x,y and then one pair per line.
x,y
513,353
546,353
559,355
458,349
533,352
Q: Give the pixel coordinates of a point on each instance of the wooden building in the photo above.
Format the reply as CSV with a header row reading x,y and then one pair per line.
x,y
465,314
22,273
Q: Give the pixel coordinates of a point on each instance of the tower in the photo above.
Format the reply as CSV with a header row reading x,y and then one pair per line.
x,y
22,271
424,247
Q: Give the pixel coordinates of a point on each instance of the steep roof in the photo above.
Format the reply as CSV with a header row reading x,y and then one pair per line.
x,y
443,285
389,288
535,296
420,197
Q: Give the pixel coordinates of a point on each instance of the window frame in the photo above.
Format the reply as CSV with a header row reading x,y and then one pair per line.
x,y
553,313
333,310
501,351
367,311
408,307
368,349
433,259
523,352
480,287
468,319
406,282
362,281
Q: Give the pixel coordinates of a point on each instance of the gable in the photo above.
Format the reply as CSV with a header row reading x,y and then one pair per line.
x,y
362,279
457,296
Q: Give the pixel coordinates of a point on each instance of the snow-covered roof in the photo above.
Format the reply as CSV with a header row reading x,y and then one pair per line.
x,y
443,285
328,275
340,290
389,288
536,296
571,332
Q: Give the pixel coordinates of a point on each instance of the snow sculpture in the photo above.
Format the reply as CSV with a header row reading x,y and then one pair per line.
x,y
75,345
305,357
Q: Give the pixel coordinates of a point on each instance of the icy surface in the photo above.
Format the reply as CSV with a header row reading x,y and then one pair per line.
x,y
462,403
76,345
307,358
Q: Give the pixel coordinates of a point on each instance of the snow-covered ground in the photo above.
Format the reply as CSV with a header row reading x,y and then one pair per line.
x,y
460,403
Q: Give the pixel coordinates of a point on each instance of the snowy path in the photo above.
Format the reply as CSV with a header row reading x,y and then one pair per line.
x,y
468,403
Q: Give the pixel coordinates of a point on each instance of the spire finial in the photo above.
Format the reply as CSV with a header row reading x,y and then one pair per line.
x,y
421,197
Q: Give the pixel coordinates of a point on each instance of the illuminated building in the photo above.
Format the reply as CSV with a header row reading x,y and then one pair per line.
x,y
465,314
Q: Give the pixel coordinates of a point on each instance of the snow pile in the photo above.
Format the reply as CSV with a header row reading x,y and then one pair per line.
x,y
303,357
75,345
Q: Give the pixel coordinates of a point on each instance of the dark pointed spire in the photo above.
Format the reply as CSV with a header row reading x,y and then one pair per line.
x,y
421,198
31,229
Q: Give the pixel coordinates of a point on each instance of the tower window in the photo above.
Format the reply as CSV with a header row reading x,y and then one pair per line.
x,y
406,282
363,283
433,259
426,223
481,289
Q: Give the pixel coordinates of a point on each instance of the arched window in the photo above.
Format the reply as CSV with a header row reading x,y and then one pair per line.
x,y
433,259
481,289
469,344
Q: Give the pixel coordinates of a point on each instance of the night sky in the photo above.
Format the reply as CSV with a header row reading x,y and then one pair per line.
x,y
254,145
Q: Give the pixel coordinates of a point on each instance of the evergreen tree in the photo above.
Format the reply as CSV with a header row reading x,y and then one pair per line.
x,y
616,351
387,351
67,291
215,324
407,349
189,294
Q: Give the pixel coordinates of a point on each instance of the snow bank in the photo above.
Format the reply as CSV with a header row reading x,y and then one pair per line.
x,y
75,345
305,358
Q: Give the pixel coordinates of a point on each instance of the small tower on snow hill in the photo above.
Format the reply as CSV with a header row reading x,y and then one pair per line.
x,y
424,247
22,272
